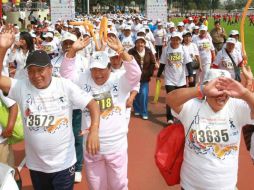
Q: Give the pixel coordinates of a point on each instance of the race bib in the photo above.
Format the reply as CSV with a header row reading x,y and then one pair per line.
x,y
173,57
40,120
104,100
212,136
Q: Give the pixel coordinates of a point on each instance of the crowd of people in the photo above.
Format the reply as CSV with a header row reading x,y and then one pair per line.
x,y
76,81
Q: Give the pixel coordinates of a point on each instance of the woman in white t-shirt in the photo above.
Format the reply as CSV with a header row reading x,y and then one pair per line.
x,y
19,53
212,144
174,59
192,49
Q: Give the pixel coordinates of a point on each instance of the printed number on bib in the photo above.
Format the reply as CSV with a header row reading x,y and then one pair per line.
x,y
212,136
104,100
174,57
40,120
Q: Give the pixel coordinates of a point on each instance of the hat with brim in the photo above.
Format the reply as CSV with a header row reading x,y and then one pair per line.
x,y
186,32
231,40
233,33
203,28
69,36
99,60
112,53
140,38
216,73
177,34
38,58
48,35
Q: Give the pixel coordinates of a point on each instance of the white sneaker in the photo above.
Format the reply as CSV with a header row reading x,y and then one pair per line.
x,y
78,177
145,117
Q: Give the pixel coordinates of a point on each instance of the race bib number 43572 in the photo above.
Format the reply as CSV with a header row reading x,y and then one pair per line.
x,y
40,120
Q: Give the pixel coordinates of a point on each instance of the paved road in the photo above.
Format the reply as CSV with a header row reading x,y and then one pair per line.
x,y
143,174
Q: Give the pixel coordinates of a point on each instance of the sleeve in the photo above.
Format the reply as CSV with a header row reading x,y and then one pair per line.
x,y
67,69
186,55
7,101
218,59
12,56
78,97
133,72
15,90
195,48
240,107
188,112
163,59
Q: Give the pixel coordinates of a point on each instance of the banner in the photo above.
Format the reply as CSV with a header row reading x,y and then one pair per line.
x,y
156,9
62,9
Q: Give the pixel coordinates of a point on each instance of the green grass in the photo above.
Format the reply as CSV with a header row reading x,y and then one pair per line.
x,y
249,36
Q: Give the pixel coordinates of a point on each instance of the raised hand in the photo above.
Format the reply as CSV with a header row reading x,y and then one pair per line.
x,y
231,87
211,89
81,43
114,43
7,38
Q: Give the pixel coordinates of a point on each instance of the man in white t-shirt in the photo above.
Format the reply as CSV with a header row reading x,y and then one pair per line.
x,y
46,107
212,145
159,36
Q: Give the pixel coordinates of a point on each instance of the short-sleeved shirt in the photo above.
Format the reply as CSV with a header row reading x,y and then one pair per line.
x,y
47,120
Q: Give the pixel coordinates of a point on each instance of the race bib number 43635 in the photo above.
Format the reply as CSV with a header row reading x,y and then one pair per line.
x,y
40,120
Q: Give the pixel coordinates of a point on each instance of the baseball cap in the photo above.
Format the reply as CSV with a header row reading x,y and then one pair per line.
x,y
38,58
190,18
231,40
127,27
177,34
112,53
195,27
160,24
48,35
140,38
171,25
234,32
203,27
69,36
99,60
141,31
180,24
215,73
186,32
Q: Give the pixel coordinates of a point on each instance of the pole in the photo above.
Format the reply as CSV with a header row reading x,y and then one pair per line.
x,y
88,7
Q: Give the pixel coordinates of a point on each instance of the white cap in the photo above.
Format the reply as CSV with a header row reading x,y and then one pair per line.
x,y
4,17
127,27
186,32
171,25
140,38
203,27
158,20
180,24
234,32
99,59
190,18
215,73
112,53
160,24
112,32
69,36
195,27
48,35
231,40
110,23
17,27
177,34
142,30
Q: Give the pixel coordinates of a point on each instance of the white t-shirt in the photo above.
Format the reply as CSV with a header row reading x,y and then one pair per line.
x,y
175,61
81,64
205,46
20,59
112,97
159,36
212,147
192,49
224,62
47,121
50,47
8,103
128,42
